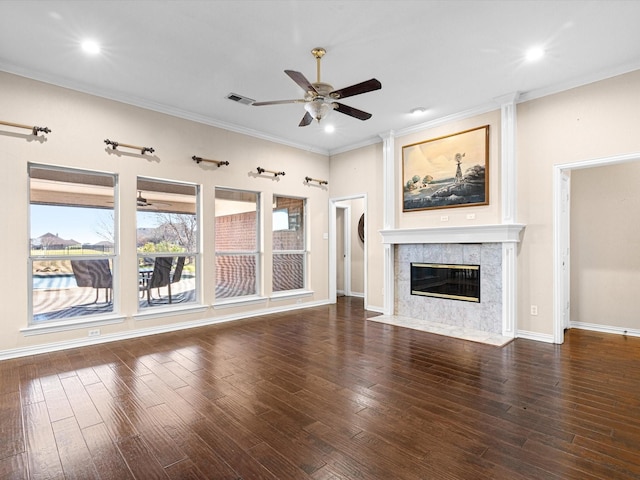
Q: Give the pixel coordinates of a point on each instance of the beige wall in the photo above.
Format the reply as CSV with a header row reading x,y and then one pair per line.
x,y
593,121
340,250
80,123
596,120
359,172
357,248
485,214
605,245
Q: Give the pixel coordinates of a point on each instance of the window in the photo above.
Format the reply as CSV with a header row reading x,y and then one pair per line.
x,y
289,254
167,242
72,243
236,243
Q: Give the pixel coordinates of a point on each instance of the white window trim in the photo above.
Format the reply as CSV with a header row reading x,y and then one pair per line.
x,y
74,323
239,301
304,252
168,311
227,302
152,311
288,294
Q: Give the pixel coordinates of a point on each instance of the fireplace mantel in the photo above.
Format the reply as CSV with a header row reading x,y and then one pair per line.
x,y
499,233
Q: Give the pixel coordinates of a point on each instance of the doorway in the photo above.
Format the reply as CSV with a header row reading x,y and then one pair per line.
x,y
562,237
347,249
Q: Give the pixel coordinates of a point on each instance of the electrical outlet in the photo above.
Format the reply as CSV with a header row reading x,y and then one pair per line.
x,y
94,333
534,310
444,218
471,216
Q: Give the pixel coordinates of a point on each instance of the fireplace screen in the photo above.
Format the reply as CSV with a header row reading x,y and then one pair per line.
x,y
455,282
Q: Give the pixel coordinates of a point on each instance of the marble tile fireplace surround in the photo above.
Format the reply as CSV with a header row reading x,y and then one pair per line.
x,y
493,247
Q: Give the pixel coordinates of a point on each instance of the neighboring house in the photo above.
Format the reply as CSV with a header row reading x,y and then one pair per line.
x,y
51,241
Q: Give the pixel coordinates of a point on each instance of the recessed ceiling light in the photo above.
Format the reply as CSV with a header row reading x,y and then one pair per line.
x,y
418,111
535,53
90,47
329,128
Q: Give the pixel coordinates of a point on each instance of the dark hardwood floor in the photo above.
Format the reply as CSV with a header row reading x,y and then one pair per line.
x,y
323,393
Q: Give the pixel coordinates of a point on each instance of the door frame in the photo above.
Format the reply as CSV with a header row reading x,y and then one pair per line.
x,y
562,236
346,240
333,206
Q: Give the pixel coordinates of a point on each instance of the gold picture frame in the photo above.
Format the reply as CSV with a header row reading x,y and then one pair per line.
x,y
446,172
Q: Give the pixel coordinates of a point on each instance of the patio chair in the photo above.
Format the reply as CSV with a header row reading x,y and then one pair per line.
x,y
162,276
95,274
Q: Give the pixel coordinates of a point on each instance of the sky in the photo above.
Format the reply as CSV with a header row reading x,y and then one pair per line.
x,y
78,223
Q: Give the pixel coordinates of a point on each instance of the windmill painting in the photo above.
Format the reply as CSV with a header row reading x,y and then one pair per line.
x,y
449,171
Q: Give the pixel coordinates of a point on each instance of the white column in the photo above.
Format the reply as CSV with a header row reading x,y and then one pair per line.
x,y
509,207
508,156
388,218
509,289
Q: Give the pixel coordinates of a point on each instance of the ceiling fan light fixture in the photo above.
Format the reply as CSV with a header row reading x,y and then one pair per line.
x,y
318,108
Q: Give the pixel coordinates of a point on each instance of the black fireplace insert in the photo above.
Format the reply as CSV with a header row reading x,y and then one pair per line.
x,y
455,282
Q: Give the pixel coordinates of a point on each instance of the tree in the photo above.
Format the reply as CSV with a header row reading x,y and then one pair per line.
x,y
104,227
179,228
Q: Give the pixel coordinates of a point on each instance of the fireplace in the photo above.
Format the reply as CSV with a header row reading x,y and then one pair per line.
x,y
453,282
484,315
493,247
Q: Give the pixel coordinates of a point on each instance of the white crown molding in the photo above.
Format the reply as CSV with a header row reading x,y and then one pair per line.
x,y
481,109
157,107
354,146
579,81
472,112
499,233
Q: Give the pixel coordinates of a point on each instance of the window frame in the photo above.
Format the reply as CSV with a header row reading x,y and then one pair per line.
x,y
71,322
196,253
256,253
304,252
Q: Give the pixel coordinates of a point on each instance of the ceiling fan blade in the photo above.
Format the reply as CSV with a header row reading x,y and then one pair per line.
x,y
306,120
277,102
301,80
357,89
352,112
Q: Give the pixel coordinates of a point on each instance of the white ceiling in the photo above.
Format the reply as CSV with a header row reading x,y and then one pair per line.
x,y
185,57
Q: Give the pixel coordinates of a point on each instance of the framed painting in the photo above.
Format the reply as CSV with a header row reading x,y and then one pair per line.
x,y
446,172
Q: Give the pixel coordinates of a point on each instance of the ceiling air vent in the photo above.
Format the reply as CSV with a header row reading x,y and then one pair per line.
x,y
240,99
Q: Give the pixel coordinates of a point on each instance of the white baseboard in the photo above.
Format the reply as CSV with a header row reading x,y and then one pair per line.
x,y
372,308
538,337
141,332
632,332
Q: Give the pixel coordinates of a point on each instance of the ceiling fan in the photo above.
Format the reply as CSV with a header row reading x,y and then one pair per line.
x,y
141,201
319,96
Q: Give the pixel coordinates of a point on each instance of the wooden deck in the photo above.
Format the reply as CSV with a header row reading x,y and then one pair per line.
x,y
324,393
